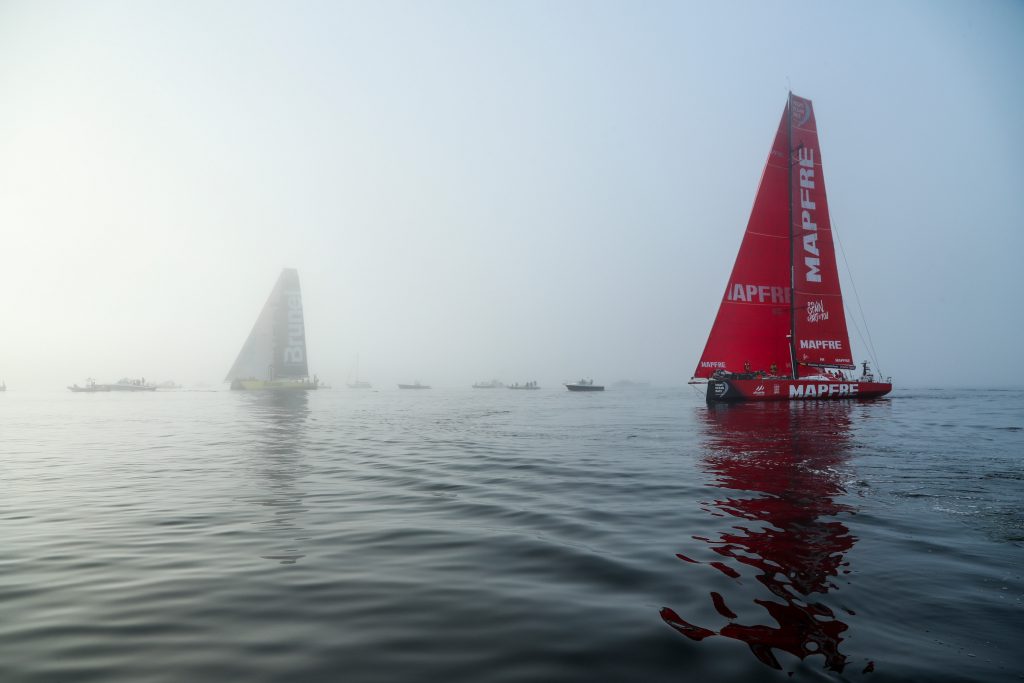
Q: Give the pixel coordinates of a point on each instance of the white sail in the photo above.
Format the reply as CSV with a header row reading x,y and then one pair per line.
x,y
276,347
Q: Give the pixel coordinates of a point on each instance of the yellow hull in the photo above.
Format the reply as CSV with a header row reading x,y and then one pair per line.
x,y
285,384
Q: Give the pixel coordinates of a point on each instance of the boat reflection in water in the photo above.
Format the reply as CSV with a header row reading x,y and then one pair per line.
x,y
780,467
276,463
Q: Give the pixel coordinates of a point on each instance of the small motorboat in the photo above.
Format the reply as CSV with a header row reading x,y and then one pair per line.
x,y
90,387
584,385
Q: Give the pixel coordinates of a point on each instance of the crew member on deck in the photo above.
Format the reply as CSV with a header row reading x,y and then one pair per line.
x,y
746,366
774,369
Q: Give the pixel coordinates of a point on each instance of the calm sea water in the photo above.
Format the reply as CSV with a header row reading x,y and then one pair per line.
x,y
494,535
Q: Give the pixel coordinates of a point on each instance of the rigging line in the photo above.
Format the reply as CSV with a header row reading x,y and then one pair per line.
x,y
859,334
866,342
856,295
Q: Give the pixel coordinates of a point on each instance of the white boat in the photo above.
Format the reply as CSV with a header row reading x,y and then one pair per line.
x,y
274,356
90,387
123,384
128,384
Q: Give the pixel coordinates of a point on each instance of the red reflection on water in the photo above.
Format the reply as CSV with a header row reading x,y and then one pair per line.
x,y
781,464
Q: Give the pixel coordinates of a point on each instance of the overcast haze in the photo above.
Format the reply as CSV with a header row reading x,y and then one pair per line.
x,y
528,190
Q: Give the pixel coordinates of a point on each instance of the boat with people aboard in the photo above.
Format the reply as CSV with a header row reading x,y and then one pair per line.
x,y
584,385
128,384
529,386
780,332
493,384
123,384
274,355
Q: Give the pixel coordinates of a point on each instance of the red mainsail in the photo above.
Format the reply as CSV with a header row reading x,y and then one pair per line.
x,y
753,321
787,246
819,321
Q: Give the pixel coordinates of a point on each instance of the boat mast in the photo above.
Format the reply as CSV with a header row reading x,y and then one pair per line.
x,y
792,269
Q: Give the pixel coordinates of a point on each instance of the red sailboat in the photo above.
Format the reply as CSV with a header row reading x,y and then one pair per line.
x,y
780,332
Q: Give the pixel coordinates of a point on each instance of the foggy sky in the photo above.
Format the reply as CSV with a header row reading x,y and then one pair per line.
x,y
521,190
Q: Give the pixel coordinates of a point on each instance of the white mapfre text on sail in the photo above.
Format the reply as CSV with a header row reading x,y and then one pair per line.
x,y
810,235
757,294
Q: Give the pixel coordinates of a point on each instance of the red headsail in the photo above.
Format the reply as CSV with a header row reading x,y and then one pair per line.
x,y
754,317
821,336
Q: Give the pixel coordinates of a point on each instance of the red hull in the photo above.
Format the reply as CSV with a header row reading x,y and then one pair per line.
x,y
780,389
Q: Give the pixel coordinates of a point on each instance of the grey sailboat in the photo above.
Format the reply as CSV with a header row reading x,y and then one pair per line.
x,y
274,356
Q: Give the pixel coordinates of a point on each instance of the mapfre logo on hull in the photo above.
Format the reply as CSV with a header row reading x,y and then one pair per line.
x,y
823,390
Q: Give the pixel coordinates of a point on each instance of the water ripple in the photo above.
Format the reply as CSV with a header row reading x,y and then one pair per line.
x,y
465,536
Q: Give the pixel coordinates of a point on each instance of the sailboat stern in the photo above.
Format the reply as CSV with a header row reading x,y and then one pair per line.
x,y
719,390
